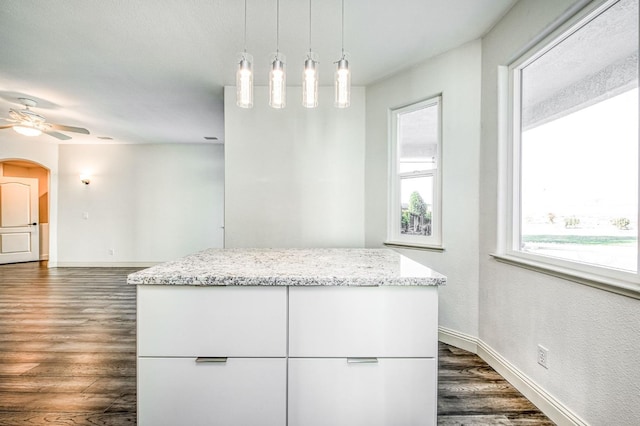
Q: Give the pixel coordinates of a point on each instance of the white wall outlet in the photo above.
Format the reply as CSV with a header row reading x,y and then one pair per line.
x,y
112,252
543,356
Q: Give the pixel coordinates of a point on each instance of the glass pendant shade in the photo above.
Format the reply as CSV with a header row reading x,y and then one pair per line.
x,y
277,83
343,84
244,81
27,130
310,82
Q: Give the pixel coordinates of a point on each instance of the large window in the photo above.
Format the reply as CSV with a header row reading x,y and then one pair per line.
x,y
575,146
414,211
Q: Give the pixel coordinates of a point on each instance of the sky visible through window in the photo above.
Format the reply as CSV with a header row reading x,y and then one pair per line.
x,y
579,185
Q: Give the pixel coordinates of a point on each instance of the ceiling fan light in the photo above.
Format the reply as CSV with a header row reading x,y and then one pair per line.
x,y
27,130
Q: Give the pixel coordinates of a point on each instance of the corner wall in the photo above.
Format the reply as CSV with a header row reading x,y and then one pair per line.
x,y
455,74
592,335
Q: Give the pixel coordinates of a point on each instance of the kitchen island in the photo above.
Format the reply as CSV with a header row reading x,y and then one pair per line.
x,y
287,337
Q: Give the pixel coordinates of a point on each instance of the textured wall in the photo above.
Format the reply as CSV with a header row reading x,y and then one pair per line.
x,y
294,177
592,335
455,74
150,203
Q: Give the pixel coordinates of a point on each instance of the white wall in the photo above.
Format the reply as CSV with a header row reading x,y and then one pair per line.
x,y
41,151
294,177
455,74
593,336
149,203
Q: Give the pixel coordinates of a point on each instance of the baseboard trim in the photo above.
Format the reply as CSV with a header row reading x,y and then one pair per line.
x,y
105,264
458,339
545,402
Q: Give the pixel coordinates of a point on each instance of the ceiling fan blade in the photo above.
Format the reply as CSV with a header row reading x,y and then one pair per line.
x,y
69,128
7,126
57,135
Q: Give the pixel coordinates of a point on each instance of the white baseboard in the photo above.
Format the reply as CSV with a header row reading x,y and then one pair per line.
x,y
105,264
458,339
545,402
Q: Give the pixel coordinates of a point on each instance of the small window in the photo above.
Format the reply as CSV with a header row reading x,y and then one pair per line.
x,y
575,146
414,210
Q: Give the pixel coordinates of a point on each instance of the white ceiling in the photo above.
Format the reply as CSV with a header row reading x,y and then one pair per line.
x,y
150,71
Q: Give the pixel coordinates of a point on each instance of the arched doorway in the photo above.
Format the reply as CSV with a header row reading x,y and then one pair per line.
x,y
32,242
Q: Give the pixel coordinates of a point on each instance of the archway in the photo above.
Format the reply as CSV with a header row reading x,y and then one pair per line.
x,y
21,168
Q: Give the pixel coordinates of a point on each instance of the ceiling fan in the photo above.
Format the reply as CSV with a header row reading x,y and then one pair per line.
x,y
28,123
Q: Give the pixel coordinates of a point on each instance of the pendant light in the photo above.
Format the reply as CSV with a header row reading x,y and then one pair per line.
x,y
310,75
277,75
244,75
343,76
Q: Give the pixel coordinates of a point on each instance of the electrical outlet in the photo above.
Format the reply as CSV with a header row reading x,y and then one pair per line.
x,y
543,356
112,252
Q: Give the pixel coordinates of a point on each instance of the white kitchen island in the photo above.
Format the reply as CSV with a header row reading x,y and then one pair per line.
x,y
288,337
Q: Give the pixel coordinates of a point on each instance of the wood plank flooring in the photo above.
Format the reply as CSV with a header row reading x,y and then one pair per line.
x,y
68,356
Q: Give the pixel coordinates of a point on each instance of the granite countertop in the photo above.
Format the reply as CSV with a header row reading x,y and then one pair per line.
x,y
291,267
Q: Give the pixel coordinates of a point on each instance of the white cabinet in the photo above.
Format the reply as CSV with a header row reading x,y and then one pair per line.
x,y
212,355
303,356
363,356
238,392
212,321
362,392
391,321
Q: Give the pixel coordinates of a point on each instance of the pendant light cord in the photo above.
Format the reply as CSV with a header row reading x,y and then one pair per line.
x,y
342,29
245,26
277,27
309,28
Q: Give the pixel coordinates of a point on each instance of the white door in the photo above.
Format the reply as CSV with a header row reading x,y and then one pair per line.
x,y
19,239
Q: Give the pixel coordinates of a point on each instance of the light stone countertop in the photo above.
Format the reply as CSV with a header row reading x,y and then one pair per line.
x,y
291,267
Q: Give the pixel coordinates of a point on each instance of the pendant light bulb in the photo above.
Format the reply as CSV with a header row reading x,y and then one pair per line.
x,y
310,75
342,80
244,81
343,84
310,82
244,75
277,74
277,83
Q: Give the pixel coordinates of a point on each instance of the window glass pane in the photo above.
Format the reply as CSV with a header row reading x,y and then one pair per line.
x,y
579,145
416,195
418,140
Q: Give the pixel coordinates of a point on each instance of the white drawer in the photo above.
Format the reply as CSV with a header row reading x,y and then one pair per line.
x,y
391,321
240,391
334,392
212,321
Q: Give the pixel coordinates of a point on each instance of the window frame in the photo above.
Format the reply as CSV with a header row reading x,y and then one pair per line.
x,y
606,278
394,236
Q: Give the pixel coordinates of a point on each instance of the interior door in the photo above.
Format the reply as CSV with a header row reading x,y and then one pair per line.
x,y
19,239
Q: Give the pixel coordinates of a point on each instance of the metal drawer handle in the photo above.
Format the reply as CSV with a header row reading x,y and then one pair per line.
x,y
362,360
208,359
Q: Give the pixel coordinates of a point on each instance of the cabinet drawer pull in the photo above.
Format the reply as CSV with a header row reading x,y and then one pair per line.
x,y
362,360
208,359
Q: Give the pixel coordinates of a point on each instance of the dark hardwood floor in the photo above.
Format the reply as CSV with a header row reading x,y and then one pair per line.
x,y
68,356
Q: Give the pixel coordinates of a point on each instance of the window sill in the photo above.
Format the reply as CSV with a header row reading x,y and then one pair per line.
x,y
414,246
624,288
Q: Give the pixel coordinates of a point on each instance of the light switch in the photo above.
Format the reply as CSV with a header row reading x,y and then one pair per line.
x,y
85,215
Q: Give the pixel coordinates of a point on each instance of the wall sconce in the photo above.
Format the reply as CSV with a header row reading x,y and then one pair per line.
x,y
85,178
